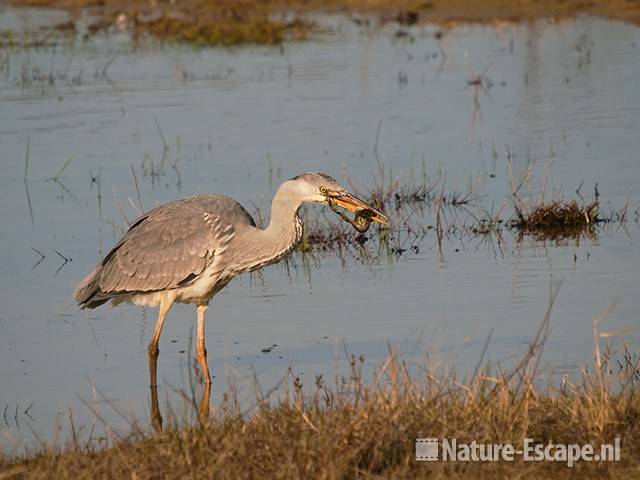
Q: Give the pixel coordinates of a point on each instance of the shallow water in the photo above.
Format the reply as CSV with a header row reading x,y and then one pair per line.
x,y
562,99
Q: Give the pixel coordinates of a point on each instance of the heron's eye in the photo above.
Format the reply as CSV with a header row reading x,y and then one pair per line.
x,y
324,190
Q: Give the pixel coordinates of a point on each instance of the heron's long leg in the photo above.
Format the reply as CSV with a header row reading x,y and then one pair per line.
x,y
165,306
201,350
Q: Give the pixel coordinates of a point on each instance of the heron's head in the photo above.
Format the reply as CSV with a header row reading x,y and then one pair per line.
x,y
315,187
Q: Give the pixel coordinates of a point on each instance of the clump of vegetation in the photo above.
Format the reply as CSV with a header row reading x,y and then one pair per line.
x,y
361,428
556,219
263,31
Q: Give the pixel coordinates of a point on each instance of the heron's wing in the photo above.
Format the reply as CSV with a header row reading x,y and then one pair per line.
x,y
169,247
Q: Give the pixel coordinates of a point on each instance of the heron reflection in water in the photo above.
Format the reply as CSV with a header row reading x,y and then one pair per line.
x,y
188,250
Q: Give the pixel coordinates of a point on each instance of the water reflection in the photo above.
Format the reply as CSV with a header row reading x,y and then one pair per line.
x,y
203,407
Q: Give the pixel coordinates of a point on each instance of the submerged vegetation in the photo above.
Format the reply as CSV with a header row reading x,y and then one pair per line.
x,y
367,427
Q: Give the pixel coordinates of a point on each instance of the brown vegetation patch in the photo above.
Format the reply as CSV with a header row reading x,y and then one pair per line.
x,y
226,22
258,31
557,219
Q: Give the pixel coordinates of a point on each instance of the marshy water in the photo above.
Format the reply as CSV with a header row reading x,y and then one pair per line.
x,y
91,128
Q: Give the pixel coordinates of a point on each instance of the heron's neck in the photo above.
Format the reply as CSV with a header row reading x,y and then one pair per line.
x,y
285,227
280,237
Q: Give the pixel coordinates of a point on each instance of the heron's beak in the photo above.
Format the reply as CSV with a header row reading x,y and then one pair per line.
x,y
354,204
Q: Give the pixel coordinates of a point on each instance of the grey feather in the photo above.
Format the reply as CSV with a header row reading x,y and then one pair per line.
x,y
168,247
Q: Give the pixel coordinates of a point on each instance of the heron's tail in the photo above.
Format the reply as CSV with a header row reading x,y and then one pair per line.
x,y
87,290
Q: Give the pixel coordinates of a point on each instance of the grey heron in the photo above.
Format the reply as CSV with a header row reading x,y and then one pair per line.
x,y
187,250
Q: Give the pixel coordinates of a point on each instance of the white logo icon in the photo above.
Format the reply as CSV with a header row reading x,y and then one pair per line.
x,y
426,449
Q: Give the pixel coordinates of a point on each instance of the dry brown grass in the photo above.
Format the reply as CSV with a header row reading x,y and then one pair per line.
x,y
227,22
359,429
259,31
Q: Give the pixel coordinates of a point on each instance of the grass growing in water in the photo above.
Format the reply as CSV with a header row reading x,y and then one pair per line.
x,y
557,219
420,211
